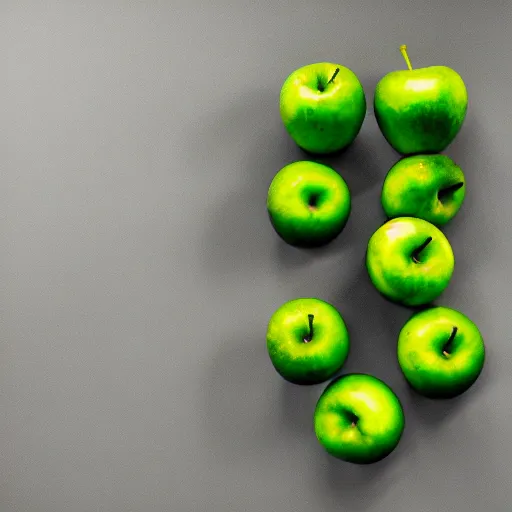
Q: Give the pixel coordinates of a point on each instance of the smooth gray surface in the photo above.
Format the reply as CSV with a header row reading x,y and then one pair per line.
x,y
139,268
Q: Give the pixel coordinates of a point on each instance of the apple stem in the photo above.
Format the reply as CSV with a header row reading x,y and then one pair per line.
x,y
334,76
309,337
416,253
448,345
403,50
449,190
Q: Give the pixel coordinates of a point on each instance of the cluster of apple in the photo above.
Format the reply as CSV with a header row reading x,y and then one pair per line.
x,y
358,417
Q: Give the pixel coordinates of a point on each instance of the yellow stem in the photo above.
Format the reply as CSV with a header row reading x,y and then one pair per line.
x,y
403,50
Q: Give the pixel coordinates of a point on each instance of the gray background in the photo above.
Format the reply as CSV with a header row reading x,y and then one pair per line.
x,y
139,269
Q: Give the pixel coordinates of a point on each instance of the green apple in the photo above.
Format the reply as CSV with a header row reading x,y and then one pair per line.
x,y
441,352
430,187
409,261
359,419
308,204
322,107
307,341
420,110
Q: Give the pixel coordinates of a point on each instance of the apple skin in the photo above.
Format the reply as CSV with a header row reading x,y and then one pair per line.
x,y
320,115
434,362
302,360
359,419
420,110
308,204
430,187
391,265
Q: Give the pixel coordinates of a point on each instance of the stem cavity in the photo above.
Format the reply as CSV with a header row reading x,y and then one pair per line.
x,y
313,201
309,337
444,192
352,418
403,51
447,347
416,253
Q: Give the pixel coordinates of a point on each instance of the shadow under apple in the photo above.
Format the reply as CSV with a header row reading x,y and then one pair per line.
x,y
471,233
373,323
363,164
434,412
297,408
356,487
239,414
237,231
